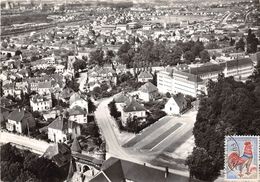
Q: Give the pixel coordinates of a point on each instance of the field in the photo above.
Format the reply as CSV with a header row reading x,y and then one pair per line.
x,y
178,18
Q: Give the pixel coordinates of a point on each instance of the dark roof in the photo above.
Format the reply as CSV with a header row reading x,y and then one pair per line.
x,y
19,115
121,97
59,153
148,88
207,68
133,106
190,77
75,147
60,123
237,63
76,110
180,100
145,74
117,170
6,102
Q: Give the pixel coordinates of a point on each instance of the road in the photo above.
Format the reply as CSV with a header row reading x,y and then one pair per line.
x,y
35,145
107,126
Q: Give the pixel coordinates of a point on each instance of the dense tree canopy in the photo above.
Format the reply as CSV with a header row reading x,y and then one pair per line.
x,y
230,108
240,45
97,57
19,165
252,42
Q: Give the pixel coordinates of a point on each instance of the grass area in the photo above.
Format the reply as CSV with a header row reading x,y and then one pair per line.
x,y
146,132
161,137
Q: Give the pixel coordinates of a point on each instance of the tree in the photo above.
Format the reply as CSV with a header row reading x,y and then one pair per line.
x,y
201,165
113,110
18,53
204,56
8,55
189,57
73,84
230,108
240,45
232,42
91,106
252,42
79,65
197,48
123,49
97,57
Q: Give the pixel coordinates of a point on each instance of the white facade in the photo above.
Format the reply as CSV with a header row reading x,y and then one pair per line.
x,y
41,104
171,107
138,114
14,126
81,118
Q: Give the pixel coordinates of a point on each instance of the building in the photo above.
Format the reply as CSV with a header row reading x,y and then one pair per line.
x,y
20,121
10,89
80,100
62,130
175,105
147,92
41,102
240,69
78,115
119,170
145,76
174,81
133,110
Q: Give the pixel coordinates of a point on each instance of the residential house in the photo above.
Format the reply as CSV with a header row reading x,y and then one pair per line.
x,y
115,169
147,92
80,100
145,76
20,121
62,130
175,105
41,102
120,100
133,110
78,115
10,89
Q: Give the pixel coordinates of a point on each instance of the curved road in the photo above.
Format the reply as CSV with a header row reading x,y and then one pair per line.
x,y
106,124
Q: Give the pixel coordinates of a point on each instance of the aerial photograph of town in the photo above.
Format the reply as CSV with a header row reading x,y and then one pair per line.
x,y
130,91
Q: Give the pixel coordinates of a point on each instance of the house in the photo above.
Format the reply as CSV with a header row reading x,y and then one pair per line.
x,y
120,100
145,76
4,113
78,115
147,27
10,89
41,102
117,170
147,92
132,110
20,121
62,130
7,103
59,153
175,105
59,69
80,100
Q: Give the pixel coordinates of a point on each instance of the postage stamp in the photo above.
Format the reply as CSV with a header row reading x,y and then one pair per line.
x,y
242,158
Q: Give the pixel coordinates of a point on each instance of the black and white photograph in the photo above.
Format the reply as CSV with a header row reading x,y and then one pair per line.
x,y
130,91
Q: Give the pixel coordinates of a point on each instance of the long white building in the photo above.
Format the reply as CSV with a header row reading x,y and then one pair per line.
x,y
191,81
